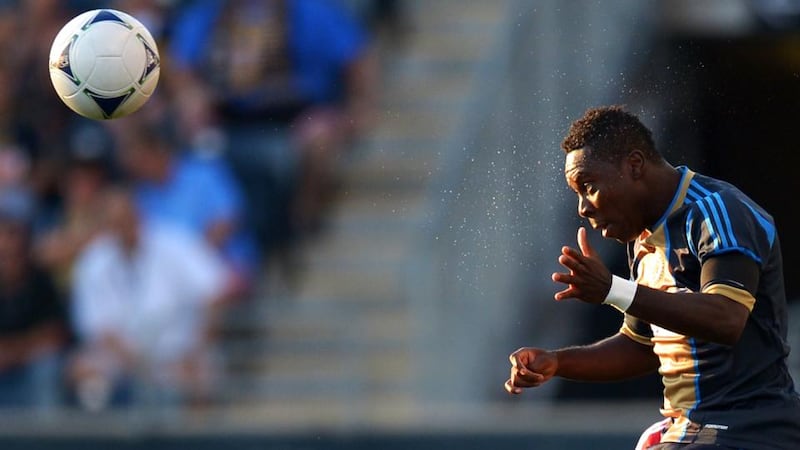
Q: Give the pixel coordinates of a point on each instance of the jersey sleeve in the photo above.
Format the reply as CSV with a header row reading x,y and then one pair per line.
x,y
722,223
637,330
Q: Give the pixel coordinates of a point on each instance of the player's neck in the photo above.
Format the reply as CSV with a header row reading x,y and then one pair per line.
x,y
664,184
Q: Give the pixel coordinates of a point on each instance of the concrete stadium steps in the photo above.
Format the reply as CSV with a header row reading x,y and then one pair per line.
x,y
418,89
344,336
357,324
446,47
308,347
362,285
306,378
469,15
370,204
393,168
343,246
432,124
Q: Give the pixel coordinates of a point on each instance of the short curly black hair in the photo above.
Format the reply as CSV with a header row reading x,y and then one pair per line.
x,y
611,133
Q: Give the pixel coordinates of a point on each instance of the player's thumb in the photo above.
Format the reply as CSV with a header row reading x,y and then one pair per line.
x,y
583,243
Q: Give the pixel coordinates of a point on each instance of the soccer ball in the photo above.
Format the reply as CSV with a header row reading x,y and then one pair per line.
x,y
104,64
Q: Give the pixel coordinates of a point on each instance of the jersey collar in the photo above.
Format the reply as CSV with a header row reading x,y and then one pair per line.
x,y
654,234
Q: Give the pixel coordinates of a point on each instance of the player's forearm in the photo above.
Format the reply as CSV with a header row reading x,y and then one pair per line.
x,y
709,317
612,359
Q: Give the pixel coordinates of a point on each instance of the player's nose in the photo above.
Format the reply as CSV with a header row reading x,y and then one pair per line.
x,y
585,208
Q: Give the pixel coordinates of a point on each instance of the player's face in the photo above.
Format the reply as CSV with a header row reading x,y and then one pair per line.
x,y
606,195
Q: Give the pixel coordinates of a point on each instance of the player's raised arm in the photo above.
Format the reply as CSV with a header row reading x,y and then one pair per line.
x,y
688,313
708,316
612,359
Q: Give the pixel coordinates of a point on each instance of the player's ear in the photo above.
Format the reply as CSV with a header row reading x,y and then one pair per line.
x,y
636,164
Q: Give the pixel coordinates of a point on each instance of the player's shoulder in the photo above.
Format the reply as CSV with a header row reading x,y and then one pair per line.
x,y
722,218
713,195
703,186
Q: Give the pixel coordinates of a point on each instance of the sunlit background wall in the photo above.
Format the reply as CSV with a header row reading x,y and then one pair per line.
x,y
404,225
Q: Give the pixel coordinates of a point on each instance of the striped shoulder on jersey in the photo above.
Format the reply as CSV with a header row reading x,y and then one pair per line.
x,y
710,204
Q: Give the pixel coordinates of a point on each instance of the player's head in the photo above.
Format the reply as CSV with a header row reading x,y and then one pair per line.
x,y
612,133
608,150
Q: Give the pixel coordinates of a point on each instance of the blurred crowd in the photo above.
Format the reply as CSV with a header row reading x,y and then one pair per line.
x,y
123,242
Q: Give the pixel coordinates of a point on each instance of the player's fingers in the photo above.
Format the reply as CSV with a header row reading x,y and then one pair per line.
x,y
579,260
517,361
566,278
511,389
583,243
574,253
529,380
570,292
524,384
525,377
573,264
513,359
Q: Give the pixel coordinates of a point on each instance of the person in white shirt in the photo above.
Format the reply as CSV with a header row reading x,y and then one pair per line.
x,y
146,299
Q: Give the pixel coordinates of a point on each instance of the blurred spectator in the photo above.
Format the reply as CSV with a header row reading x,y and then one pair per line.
x,y
385,17
77,218
193,190
292,81
33,321
37,106
146,299
153,14
8,28
17,140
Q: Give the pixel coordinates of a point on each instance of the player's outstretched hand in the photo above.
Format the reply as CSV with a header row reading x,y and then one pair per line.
x,y
588,279
530,367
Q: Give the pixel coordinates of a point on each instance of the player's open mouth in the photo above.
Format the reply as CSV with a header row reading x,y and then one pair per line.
x,y
598,225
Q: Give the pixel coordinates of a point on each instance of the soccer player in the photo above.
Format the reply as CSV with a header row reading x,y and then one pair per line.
x,y
705,302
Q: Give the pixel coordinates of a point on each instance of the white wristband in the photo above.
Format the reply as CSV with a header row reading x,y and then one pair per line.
x,y
621,294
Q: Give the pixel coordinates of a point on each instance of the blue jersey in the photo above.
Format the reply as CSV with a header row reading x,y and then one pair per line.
x,y
318,40
739,395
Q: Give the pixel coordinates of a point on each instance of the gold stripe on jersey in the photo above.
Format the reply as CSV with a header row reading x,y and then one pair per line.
x,y
738,295
677,369
679,429
678,377
634,336
674,350
653,270
675,353
682,189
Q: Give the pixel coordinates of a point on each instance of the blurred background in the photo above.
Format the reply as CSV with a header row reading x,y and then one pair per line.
x,y
335,219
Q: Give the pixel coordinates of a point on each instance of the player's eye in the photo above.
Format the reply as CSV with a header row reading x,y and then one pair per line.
x,y
589,188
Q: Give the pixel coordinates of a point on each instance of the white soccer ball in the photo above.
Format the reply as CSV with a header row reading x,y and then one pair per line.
x,y
104,64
